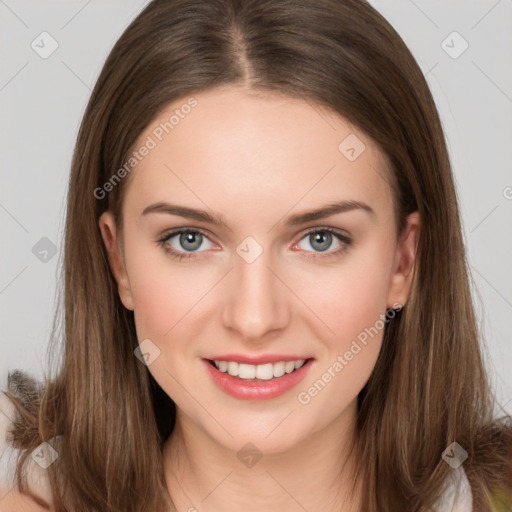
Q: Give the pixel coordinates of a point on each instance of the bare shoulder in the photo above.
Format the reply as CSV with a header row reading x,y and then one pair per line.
x,y
11,500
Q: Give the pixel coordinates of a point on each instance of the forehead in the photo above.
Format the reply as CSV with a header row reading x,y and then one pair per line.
x,y
236,147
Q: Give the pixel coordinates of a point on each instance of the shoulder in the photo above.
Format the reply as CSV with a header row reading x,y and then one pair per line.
x,y
457,496
11,500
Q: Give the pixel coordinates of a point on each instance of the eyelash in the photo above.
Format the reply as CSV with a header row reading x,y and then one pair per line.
x,y
345,240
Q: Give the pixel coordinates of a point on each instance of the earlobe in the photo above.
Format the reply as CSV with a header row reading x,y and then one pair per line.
x,y
405,259
108,229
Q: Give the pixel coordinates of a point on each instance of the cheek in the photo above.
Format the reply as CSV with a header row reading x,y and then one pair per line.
x,y
162,292
348,298
360,299
352,303
161,302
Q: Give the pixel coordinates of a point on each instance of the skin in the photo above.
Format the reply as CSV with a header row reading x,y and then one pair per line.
x,y
254,160
11,500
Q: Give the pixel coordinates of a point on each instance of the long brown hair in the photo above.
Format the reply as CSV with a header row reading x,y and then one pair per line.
x,y
429,387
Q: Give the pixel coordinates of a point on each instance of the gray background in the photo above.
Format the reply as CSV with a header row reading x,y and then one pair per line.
x,y
42,101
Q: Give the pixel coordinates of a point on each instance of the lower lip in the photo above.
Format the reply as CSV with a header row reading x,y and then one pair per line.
x,y
256,390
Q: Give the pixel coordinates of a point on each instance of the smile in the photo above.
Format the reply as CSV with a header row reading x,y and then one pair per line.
x,y
261,371
257,382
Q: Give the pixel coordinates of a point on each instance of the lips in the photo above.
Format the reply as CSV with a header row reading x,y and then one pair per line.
x,y
256,389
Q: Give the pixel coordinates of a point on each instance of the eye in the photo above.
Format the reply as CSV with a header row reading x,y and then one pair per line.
x,y
184,242
321,239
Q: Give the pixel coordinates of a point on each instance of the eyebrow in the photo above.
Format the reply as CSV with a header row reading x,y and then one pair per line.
x,y
293,220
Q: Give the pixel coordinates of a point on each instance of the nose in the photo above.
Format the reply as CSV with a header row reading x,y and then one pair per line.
x,y
256,300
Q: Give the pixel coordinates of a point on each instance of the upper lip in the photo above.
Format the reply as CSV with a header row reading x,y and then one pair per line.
x,y
256,360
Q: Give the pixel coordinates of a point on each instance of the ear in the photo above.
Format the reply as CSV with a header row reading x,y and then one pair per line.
x,y
108,230
403,268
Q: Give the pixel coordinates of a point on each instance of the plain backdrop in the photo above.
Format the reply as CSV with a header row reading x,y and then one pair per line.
x,y
463,47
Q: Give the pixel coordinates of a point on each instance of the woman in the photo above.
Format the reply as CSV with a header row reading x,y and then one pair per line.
x,y
315,347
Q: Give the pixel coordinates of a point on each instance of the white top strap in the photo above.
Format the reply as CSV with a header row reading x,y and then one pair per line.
x,y
458,496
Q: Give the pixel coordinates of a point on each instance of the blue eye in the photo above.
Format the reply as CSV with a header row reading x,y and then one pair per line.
x,y
189,240
321,239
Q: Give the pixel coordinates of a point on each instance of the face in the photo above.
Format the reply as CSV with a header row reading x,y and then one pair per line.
x,y
259,278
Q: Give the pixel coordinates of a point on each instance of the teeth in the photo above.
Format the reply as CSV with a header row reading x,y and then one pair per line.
x,y
261,371
289,366
246,371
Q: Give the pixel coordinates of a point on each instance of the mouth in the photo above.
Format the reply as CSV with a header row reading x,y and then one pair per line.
x,y
260,372
240,380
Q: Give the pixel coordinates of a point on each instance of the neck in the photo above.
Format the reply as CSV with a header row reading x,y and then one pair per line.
x,y
317,474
